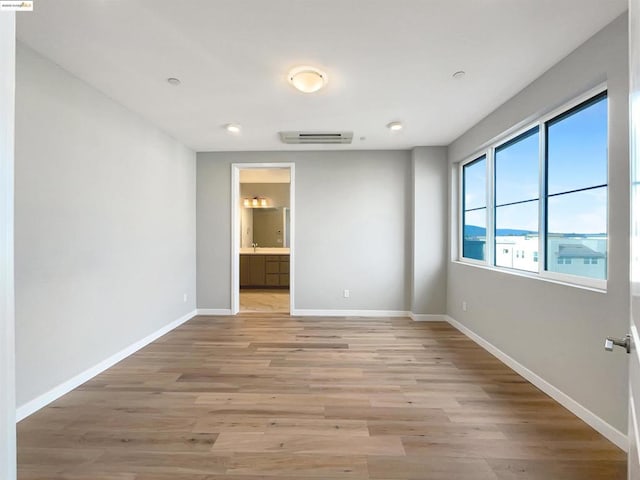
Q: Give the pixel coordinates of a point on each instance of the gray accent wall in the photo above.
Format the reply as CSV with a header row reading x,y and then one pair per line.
x,y
557,331
105,227
352,231
429,236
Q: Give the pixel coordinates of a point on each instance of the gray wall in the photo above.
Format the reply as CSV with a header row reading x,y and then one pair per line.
x,y
429,264
557,331
105,227
7,358
352,228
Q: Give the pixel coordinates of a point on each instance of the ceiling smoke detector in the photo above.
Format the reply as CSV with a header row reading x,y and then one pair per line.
x,y
233,128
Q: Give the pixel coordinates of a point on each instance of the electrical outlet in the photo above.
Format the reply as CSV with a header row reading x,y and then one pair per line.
x,y
464,305
346,294
184,298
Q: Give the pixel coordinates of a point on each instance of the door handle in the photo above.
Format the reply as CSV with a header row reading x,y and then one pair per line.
x,y
625,343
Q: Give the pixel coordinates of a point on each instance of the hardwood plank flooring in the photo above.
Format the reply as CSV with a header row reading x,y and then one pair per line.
x,y
272,300
268,396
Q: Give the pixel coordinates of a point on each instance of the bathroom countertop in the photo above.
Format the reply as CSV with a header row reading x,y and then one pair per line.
x,y
264,251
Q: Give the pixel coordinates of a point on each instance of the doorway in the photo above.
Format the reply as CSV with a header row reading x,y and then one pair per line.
x,y
263,227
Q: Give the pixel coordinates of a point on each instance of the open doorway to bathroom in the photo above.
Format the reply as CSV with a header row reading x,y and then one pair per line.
x,y
263,228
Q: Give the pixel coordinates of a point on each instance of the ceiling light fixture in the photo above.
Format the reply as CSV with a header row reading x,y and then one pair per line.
x,y
394,126
459,74
173,81
256,202
307,79
233,128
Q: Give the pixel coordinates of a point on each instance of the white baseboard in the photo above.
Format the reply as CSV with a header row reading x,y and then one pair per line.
x,y
613,434
349,313
428,317
23,411
214,311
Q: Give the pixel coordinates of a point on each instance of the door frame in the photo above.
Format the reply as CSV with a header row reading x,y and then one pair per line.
x,y
235,228
633,434
7,292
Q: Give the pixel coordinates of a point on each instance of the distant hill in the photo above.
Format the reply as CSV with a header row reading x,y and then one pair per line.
x,y
504,232
475,231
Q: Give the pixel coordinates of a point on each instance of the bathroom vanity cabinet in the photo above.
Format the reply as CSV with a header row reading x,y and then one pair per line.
x,y
264,271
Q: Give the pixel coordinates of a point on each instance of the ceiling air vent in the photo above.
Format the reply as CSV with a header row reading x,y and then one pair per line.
x,y
316,137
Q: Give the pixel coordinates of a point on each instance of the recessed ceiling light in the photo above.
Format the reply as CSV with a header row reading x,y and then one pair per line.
x,y
459,74
307,79
394,126
173,81
233,128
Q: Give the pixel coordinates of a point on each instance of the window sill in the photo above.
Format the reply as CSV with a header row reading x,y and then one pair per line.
x,y
533,276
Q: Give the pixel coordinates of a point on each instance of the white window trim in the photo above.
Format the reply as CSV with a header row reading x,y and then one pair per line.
x,y
568,282
461,258
488,151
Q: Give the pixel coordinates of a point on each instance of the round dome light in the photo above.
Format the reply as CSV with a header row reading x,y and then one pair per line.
x,y
307,79
394,126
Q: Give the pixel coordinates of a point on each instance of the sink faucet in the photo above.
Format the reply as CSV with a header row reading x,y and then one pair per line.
x,y
254,245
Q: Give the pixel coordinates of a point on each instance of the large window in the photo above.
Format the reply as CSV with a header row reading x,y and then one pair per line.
x,y
547,208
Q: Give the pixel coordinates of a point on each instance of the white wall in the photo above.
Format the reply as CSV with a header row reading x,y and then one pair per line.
x,y
7,360
429,241
105,227
353,228
554,330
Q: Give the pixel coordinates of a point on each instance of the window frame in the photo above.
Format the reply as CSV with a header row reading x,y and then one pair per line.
x,y
462,210
503,143
488,150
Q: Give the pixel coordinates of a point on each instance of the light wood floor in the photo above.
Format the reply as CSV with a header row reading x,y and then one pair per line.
x,y
269,397
268,300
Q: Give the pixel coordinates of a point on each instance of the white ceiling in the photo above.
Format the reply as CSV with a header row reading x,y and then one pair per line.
x,y
386,60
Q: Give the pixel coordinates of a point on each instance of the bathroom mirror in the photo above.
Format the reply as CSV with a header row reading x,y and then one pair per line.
x,y
268,227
